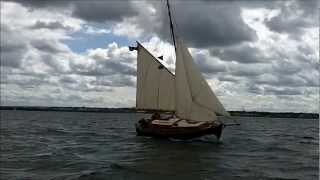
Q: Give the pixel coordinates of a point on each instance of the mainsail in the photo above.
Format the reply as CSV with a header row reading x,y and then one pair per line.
x,y
155,83
194,98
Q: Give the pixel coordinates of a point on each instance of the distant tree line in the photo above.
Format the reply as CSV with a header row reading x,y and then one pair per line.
x,y
133,110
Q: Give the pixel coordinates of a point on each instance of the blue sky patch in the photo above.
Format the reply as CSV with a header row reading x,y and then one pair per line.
x,y
82,41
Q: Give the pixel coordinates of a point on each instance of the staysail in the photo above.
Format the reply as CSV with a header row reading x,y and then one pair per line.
x,y
155,83
194,98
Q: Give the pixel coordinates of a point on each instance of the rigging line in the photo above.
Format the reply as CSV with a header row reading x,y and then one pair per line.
x,y
177,29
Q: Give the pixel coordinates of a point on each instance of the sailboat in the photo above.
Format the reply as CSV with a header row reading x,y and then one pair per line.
x,y
183,103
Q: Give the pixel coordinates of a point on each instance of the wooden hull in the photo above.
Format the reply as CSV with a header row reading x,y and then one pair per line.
x,y
145,127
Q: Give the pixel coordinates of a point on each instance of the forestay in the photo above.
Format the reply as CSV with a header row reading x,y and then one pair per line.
x,y
194,98
155,83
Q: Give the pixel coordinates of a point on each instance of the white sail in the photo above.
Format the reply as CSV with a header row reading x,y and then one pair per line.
x,y
155,83
194,98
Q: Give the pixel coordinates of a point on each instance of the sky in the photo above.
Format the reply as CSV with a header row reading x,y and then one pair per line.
x,y
256,55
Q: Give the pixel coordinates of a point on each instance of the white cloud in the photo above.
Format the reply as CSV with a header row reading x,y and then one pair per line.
x,y
128,28
276,72
96,31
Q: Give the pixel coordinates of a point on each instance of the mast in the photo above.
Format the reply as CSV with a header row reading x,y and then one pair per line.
x,y
171,25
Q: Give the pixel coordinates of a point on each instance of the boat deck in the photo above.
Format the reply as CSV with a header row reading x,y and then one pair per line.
x,y
177,122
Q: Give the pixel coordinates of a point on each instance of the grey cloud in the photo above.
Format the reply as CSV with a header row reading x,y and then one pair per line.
x,y
271,90
252,88
73,97
205,24
286,67
309,7
202,24
27,81
42,3
304,49
242,53
12,55
103,68
248,70
54,63
282,91
77,83
33,81
114,81
294,17
228,78
307,56
282,24
55,99
311,77
13,47
111,67
102,11
94,10
98,89
84,86
48,46
49,25
68,80
284,80
209,66
313,82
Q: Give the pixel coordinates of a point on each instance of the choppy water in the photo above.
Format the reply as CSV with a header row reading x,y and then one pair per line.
x,y
73,145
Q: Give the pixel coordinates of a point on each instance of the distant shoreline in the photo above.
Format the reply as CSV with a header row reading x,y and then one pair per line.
x,y
133,110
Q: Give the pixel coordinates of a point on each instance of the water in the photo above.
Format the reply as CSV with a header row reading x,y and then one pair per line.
x,y
73,145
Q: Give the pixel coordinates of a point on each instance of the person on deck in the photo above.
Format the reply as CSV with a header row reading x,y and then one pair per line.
x,y
155,115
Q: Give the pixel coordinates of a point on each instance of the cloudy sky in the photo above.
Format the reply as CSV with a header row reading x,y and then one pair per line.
x,y
256,54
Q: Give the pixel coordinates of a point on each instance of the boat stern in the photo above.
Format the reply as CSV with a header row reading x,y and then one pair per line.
x,y
217,130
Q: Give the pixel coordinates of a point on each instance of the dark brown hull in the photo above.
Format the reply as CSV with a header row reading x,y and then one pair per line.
x,y
148,129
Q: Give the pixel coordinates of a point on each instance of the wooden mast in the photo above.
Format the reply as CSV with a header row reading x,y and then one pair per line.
x,y
171,25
